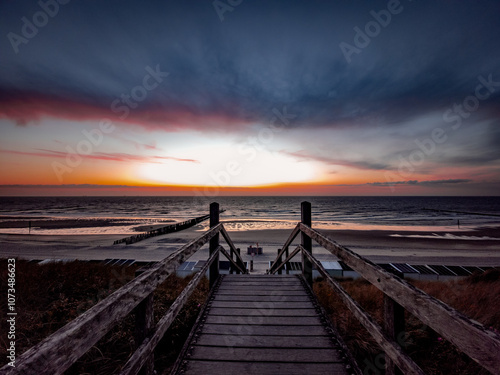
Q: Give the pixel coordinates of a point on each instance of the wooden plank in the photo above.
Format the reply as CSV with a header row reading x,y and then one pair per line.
x,y
59,351
221,353
250,282
265,341
262,298
260,277
275,293
277,287
262,304
471,337
277,330
266,284
258,368
264,320
218,311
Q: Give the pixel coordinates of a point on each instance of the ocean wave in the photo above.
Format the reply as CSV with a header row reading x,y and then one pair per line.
x,y
447,236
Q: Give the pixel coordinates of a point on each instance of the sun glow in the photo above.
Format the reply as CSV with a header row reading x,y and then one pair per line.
x,y
225,166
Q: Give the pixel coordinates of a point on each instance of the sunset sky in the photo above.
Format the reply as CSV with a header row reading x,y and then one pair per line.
x,y
249,97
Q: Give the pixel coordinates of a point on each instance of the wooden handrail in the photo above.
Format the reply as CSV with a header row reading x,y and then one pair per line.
x,y
59,351
238,267
472,338
288,242
140,356
390,347
233,248
288,258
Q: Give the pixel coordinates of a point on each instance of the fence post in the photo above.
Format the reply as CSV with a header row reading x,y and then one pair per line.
x,y
287,265
239,256
305,210
144,323
278,261
214,243
394,325
231,267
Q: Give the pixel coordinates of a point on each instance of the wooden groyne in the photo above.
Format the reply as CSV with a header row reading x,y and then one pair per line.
x,y
163,230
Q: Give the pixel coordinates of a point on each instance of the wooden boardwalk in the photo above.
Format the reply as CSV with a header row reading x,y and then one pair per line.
x,y
262,325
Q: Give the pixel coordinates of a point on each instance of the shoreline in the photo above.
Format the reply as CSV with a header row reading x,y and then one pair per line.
x,y
479,247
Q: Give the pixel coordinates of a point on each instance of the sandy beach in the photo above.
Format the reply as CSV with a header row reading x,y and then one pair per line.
x,y
480,247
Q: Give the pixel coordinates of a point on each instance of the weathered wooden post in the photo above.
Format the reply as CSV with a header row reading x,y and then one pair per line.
x,y
394,326
144,324
231,267
214,243
305,210
278,261
287,265
239,256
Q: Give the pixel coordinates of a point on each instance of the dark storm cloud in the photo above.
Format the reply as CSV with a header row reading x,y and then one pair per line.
x,y
357,164
422,183
263,54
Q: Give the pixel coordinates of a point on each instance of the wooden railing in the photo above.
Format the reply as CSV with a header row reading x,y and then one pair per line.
x,y
470,337
58,352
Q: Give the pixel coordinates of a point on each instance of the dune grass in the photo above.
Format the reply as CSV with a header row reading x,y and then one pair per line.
x,y
51,295
477,296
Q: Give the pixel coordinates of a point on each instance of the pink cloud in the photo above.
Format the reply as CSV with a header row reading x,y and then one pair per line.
x,y
120,157
31,108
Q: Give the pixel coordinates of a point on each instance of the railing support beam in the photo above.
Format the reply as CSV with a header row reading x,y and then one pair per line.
x,y
394,326
306,219
279,260
144,324
214,243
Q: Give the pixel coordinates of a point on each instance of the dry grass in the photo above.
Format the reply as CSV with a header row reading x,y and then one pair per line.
x,y
478,297
49,296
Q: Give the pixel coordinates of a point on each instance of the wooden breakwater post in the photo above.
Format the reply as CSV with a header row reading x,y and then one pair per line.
x,y
214,243
306,219
163,230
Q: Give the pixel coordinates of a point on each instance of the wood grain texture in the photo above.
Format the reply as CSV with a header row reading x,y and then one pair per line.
x,y
260,368
470,337
262,325
59,351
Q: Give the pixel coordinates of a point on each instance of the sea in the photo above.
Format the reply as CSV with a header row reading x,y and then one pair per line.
x,y
127,215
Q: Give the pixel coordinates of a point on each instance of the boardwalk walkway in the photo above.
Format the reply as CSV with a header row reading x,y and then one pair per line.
x,y
262,324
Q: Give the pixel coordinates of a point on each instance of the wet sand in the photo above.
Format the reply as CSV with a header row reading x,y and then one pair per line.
x,y
468,247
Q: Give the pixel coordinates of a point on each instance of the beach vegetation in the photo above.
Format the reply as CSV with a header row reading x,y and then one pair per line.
x,y
476,297
51,295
